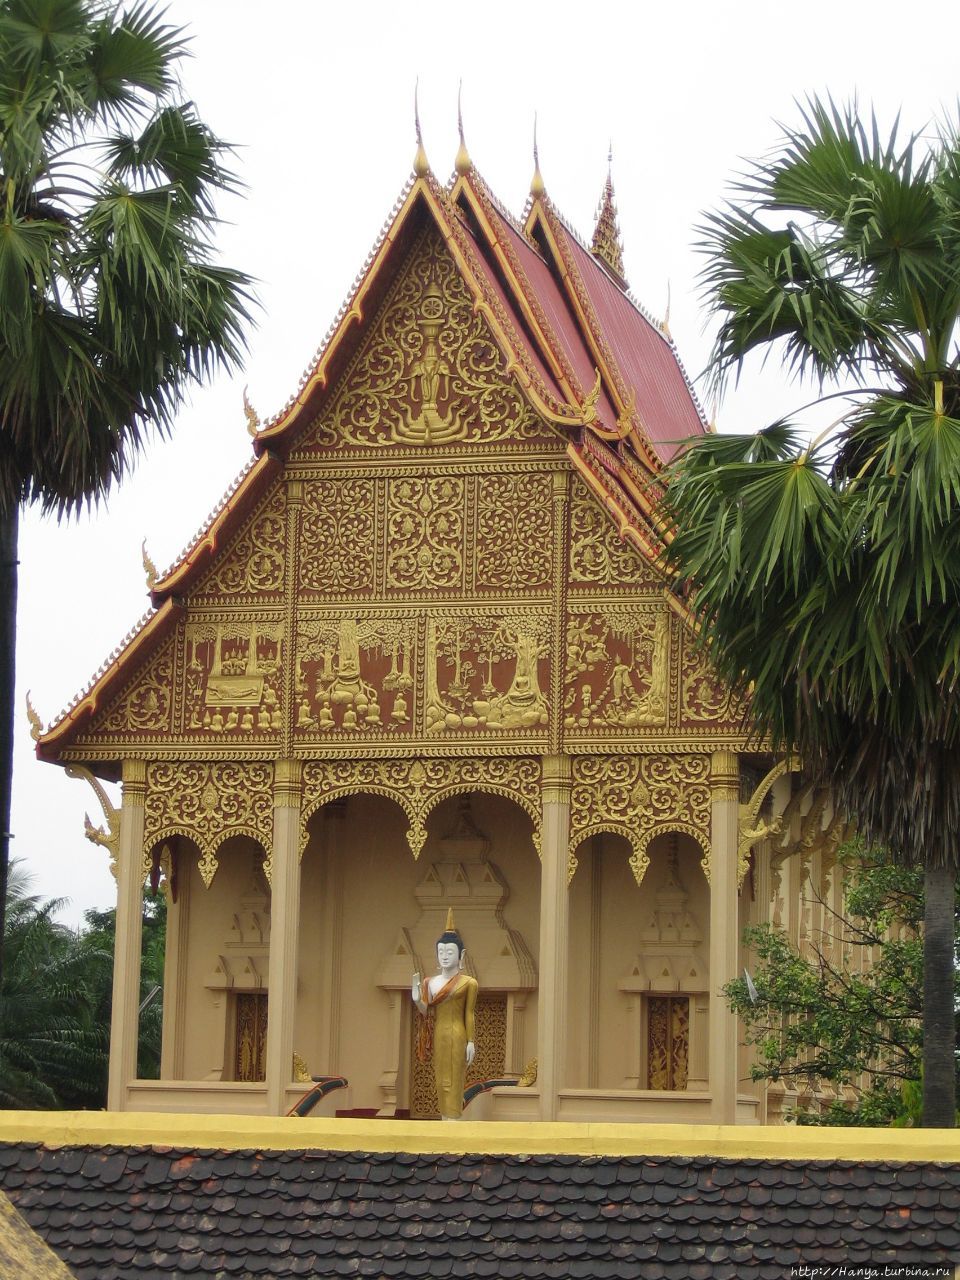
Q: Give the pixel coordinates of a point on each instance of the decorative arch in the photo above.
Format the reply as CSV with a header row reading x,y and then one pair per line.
x,y
419,785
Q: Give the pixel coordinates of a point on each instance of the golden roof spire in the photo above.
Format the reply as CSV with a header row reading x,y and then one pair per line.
x,y
421,165
36,724
537,185
463,163
606,243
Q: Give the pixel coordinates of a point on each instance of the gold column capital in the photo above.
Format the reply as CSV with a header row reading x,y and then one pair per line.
x,y
725,775
561,484
286,781
557,779
134,779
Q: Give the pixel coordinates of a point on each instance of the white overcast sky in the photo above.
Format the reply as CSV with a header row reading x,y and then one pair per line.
x,y
318,98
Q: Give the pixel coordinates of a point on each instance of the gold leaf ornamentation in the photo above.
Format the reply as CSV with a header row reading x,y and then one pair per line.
x,y
208,803
425,533
144,707
355,676
431,373
598,555
233,682
639,797
702,696
418,786
253,565
617,664
337,536
514,532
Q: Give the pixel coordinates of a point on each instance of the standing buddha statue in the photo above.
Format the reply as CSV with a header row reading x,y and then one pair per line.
x,y
446,1004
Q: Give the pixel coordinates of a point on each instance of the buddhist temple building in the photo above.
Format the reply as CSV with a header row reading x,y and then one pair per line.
x,y
421,657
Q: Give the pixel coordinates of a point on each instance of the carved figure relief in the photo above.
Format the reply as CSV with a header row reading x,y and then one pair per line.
x,y
486,674
254,564
598,555
638,797
337,536
514,531
232,683
431,373
425,533
616,673
354,674
144,707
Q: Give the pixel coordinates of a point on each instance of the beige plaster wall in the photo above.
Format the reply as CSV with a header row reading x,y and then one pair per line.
x,y
209,913
357,893
607,911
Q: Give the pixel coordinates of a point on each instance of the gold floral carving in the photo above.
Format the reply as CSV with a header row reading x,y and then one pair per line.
x,y
431,373
144,707
425,533
514,531
702,696
355,675
598,555
254,564
208,803
484,673
233,682
418,786
617,662
337,536
639,797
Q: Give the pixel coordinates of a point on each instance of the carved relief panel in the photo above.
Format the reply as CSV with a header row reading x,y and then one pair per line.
x,y
253,565
487,673
599,557
514,532
616,676
338,537
704,700
425,531
430,374
355,675
144,708
232,679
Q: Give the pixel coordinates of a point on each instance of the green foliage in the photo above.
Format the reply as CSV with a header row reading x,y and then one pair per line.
x,y
847,1012
111,301
56,1001
827,575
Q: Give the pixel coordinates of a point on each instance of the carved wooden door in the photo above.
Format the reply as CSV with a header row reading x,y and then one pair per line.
x,y
250,1057
668,1042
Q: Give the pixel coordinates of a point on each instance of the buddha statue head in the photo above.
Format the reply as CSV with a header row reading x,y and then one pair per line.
x,y
450,948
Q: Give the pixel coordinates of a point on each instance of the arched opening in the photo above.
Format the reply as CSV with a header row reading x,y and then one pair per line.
x,y
216,964
370,915
638,987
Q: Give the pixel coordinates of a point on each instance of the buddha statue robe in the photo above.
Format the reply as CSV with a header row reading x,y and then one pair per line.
x,y
453,1009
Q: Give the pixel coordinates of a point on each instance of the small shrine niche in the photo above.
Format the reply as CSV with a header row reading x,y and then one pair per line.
x,y
667,984
463,878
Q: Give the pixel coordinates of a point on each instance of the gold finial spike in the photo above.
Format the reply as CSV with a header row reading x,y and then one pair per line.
x,y
537,185
253,420
666,319
421,165
149,568
588,412
450,926
712,424
463,164
606,243
36,725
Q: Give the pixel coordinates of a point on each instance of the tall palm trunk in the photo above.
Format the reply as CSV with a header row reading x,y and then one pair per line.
x,y
939,1014
9,538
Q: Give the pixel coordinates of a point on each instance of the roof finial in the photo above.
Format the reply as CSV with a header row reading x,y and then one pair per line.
x,y
421,165
253,420
36,724
149,568
537,185
606,243
462,164
666,319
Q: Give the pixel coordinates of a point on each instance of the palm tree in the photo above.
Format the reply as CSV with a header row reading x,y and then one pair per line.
x,y
111,302
827,575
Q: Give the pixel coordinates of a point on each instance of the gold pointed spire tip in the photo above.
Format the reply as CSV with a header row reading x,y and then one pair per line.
x,y
537,185
463,164
421,165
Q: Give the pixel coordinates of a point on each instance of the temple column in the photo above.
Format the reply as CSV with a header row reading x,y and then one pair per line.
x,y
554,917
284,933
125,1015
724,933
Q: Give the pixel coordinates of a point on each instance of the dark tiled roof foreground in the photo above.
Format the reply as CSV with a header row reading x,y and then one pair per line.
x,y
113,1211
